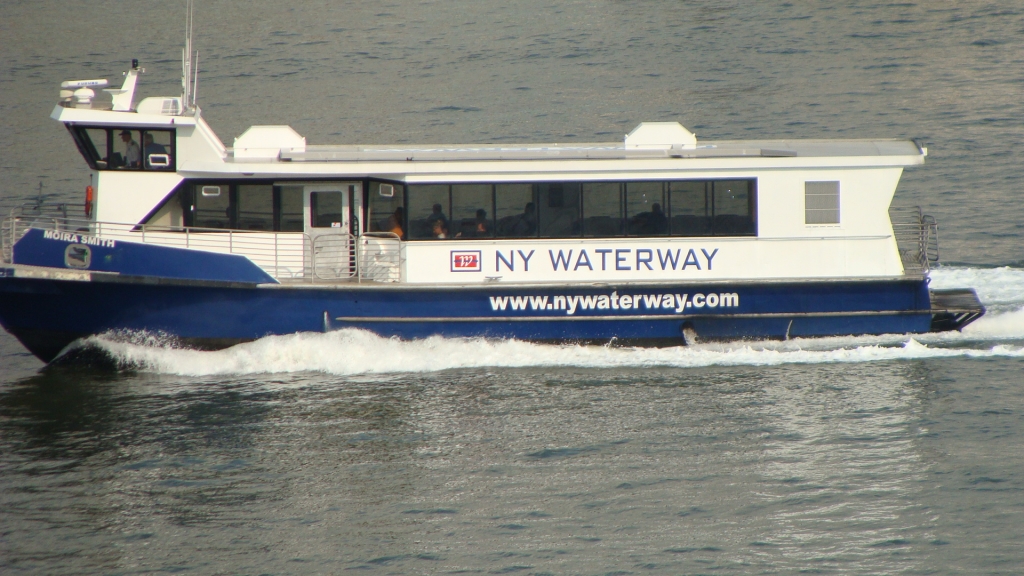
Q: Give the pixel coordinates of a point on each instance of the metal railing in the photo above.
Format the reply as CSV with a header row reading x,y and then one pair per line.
x,y
380,257
917,238
288,256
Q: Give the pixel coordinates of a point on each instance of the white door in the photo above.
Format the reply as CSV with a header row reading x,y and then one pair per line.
x,y
332,222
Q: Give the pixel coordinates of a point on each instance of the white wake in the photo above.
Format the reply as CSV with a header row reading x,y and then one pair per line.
x,y
351,351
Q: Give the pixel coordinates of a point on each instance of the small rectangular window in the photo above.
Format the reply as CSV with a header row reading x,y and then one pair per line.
x,y
325,209
821,202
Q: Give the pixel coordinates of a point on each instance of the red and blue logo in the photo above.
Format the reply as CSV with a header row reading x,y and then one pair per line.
x,y
466,261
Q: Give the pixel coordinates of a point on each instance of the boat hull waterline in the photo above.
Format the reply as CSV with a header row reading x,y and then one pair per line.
x,y
47,314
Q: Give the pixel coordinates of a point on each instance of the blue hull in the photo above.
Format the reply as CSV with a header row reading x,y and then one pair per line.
x,y
48,314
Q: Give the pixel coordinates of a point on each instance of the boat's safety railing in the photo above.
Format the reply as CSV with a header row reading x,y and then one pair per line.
x,y
380,257
917,237
287,256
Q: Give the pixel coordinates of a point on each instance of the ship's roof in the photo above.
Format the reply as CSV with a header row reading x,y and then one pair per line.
x,y
719,149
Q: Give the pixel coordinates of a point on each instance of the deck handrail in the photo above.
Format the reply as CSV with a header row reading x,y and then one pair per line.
x,y
293,256
917,238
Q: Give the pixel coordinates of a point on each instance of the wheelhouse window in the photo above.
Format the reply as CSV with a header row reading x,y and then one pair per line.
x,y
112,148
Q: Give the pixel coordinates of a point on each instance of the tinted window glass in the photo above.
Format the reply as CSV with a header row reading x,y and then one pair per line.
x,y
255,207
127,153
385,210
325,209
212,206
732,208
95,142
156,150
602,209
646,209
559,209
472,213
691,208
515,211
428,211
291,208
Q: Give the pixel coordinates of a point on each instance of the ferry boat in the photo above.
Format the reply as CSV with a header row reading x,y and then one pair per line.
x,y
660,239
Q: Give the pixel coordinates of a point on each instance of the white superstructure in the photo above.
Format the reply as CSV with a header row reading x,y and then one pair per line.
x,y
604,212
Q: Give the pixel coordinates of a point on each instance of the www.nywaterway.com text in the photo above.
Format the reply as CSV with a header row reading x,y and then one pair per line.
x,y
662,302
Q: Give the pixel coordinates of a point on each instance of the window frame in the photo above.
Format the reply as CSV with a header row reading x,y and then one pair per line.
x,y
87,149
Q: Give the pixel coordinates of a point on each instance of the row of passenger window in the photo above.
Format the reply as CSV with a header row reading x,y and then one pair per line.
x,y
580,209
464,211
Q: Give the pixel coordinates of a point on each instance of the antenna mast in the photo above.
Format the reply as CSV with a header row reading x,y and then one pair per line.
x,y
189,61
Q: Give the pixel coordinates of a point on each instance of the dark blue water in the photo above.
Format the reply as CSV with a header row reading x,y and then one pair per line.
x,y
315,454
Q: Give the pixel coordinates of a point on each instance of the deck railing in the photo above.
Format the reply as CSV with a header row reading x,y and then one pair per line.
x,y
287,256
917,237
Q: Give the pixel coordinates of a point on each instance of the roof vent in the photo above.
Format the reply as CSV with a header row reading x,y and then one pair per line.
x,y
268,141
661,136
161,105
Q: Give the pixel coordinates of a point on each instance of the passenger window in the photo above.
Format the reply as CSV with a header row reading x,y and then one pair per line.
x,y
385,210
559,209
515,211
471,211
732,208
691,214
428,211
646,209
255,207
290,198
212,208
602,209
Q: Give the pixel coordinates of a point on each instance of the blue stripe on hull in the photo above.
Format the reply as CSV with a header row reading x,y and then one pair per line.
x,y
220,315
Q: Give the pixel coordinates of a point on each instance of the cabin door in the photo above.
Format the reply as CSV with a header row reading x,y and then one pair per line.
x,y
332,222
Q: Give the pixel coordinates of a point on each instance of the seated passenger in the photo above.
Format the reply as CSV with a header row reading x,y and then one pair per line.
x,y
150,147
436,215
526,225
651,223
657,223
440,231
395,223
479,227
